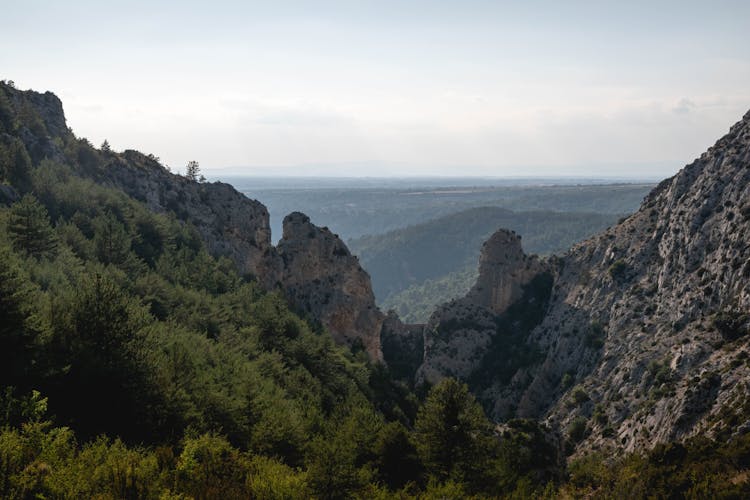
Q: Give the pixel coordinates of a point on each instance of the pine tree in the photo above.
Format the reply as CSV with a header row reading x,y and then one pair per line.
x,y
18,327
29,228
454,437
111,239
192,171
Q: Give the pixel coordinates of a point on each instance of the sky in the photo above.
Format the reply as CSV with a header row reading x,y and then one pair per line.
x,y
391,88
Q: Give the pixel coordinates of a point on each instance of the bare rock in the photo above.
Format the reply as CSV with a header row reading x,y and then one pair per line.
x,y
460,333
320,277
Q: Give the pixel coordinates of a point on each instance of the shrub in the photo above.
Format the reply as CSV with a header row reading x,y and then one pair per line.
x,y
579,395
618,270
595,336
577,429
732,324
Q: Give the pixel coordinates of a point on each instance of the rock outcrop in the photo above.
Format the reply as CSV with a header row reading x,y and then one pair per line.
x,y
459,333
403,347
322,279
504,270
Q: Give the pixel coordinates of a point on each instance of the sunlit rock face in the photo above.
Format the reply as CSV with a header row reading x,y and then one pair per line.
x,y
321,278
504,269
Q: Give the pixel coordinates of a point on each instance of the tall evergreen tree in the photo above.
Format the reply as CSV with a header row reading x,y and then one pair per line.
x,y
454,437
18,330
29,228
111,239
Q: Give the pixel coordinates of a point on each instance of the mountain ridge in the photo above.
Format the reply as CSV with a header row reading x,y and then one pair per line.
x,y
637,341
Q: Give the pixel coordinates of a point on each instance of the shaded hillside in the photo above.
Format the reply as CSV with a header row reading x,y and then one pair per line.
x,y
416,303
409,256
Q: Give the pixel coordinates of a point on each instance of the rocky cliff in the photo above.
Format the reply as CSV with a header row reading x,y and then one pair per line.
x,y
321,278
311,266
643,336
461,333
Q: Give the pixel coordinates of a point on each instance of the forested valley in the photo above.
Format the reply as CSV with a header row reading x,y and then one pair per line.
x,y
135,364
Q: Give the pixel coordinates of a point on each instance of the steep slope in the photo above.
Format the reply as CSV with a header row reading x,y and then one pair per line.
x,y
645,335
311,266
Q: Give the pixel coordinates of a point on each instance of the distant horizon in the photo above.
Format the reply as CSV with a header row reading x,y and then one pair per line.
x,y
215,174
471,87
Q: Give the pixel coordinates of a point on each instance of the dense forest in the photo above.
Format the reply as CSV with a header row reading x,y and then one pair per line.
x,y
134,364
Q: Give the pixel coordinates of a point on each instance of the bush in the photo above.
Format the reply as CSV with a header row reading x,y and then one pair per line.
x,y
578,429
595,336
732,324
579,395
618,270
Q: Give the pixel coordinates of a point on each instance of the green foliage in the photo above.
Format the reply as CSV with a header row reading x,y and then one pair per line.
x,y
416,303
600,416
698,468
15,164
29,228
579,395
567,380
577,429
192,171
618,270
454,438
595,336
396,458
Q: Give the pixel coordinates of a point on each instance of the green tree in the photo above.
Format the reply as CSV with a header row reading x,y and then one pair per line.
x,y
29,228
193,170
397,461
454,438
18,328
99,341
210,468
15,164
111,239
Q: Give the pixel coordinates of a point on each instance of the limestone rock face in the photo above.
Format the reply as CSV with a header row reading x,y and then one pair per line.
x,y
230,224
459,333
503,272
650,317
321,278
648,323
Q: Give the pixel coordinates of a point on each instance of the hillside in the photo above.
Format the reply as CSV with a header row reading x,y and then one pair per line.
x,y
154,344
416,303
406,257
636,336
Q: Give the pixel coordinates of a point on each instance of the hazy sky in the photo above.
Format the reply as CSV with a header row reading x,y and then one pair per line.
x,y
392,87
